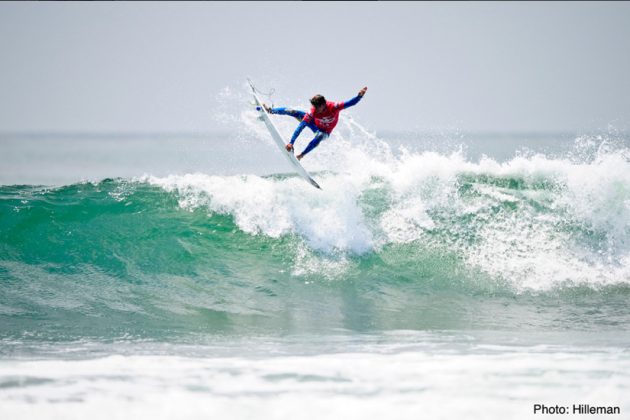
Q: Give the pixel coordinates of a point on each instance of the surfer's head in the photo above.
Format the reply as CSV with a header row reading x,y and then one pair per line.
x,y
319,102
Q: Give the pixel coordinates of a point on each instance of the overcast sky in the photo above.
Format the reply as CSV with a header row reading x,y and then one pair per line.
x,y
471,66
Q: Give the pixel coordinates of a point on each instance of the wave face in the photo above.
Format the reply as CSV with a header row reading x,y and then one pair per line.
x,y
422,240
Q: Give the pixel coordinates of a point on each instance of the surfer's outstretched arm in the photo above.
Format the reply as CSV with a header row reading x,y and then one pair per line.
x,y
351,102
297,131
355,100
295,135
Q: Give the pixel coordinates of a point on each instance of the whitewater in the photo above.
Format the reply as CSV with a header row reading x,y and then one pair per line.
x,y
180,278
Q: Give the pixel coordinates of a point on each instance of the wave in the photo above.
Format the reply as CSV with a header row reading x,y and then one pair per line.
x,y
386,233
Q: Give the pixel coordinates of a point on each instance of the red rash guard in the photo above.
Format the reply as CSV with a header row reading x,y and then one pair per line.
x,y
327,119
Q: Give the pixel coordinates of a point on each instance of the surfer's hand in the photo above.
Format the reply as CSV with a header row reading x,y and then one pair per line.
x,y
362,91
267,108
289,147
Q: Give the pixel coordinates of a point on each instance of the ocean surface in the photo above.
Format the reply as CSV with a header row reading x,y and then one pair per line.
x,y
435,275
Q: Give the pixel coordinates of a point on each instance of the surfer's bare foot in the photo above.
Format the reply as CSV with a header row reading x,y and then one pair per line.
x,y
300,156
289,147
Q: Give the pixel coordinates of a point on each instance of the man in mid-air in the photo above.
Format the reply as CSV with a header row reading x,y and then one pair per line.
x,y
322,119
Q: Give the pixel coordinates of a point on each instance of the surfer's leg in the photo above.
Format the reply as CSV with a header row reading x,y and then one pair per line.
x,y
295,113
314,143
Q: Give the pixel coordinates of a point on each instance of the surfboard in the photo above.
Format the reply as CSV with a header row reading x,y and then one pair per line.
x,y
278,140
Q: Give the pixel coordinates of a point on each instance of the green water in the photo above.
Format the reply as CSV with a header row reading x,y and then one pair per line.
x,y
124,257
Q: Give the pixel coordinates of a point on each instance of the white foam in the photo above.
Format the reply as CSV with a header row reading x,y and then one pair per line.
x,y
496,382
535,237
327,221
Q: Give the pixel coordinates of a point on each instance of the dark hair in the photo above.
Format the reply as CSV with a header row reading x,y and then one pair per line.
x,y
318,100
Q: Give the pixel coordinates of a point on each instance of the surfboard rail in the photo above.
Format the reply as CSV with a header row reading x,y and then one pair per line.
x,y
278,140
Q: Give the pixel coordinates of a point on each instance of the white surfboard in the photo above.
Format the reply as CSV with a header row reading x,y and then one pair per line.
x,y
277,138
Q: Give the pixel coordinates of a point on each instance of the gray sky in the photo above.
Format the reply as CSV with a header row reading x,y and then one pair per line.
x,y
471,66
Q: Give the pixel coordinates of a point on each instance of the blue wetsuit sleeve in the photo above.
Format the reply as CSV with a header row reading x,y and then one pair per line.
x,y
297,131
352,102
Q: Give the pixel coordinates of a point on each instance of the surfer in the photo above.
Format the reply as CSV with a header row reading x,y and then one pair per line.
x,y
321,119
